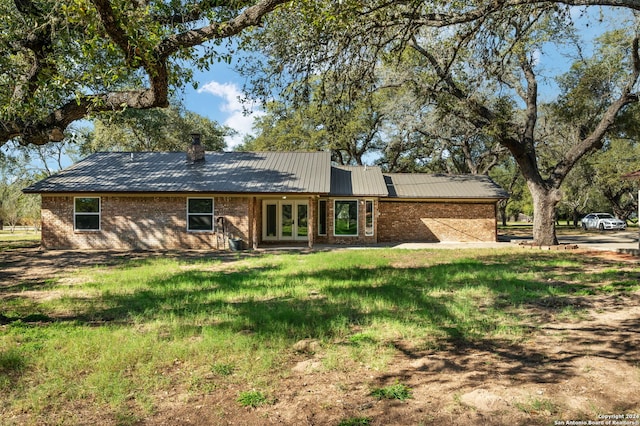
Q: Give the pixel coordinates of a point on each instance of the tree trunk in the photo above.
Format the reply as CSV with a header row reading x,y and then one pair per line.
x,y
502,209
544,214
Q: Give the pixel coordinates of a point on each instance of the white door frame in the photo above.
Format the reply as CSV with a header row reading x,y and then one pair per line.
x,y
295,205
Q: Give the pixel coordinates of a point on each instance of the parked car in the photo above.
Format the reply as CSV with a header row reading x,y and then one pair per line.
x,y
602,221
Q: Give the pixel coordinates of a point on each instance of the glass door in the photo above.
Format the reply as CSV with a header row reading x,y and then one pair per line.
x,y
287,223
285,220
302,223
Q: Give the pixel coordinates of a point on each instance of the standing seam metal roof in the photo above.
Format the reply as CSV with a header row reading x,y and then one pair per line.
x,y
224,172
255,173
420,185
357,181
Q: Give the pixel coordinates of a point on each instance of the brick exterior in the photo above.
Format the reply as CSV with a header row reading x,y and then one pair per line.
x,y
436,221
160,222
139,222
361,238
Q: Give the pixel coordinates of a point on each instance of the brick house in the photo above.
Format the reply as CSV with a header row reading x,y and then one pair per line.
x,y
217,200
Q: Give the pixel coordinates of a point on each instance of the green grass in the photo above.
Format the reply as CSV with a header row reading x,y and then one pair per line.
x,y
397,391
119,336
355,421
253,399
18,240
537,405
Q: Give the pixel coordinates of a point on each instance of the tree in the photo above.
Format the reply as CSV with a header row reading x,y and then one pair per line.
x,y
68,59
617,158
508,176
65,60
349,130
483,69
158,129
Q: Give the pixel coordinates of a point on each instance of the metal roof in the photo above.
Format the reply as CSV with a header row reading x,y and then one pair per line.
x,y
222,172
438,186
255,173
357,181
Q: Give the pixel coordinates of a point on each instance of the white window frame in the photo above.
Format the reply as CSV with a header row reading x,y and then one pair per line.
x,y
98,213
373,218
295,204
213,209
351,200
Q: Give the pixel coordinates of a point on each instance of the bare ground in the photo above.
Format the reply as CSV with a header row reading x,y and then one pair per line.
x,y
582,369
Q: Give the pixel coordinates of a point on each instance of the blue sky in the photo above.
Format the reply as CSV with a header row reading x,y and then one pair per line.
x,y
218,98
220,88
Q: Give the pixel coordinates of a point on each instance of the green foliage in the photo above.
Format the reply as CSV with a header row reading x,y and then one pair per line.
x,y
355,421
12,364
153,130
398,391
69,59
251,399
15,207
329,120
458,100
222,369
537,405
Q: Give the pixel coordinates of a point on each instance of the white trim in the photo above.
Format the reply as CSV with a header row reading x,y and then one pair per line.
x,y
373,216
295,203
213,209
355,200
99,214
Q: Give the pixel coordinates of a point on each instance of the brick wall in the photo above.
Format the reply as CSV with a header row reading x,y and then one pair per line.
x,y
433,222
361,238
139,222
149,222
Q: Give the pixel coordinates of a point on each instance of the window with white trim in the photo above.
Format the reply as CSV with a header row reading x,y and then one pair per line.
x,y
200,214
368,218
86,213
345,218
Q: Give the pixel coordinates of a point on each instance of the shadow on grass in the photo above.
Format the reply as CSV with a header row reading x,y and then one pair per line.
x,y
466,304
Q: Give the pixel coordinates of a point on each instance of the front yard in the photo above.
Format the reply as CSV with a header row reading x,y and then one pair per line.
x,y
343,337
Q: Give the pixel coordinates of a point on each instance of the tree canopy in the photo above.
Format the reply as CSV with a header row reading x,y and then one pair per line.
x,y
479,79
65,60
158,129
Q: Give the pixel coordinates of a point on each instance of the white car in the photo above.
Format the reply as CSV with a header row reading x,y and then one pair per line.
x,y
602,221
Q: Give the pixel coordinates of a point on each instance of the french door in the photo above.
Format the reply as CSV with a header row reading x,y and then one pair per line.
x,y
285,220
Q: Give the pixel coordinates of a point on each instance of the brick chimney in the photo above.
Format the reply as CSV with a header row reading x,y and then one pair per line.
x,y
195,151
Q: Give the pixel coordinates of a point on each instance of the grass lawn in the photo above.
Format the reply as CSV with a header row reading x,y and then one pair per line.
x,y
113,339
19,238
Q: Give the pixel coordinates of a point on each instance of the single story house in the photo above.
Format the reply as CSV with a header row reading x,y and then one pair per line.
x,y
216,200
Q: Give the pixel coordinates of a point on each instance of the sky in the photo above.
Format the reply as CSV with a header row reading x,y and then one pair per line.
x,y
220,88
218,98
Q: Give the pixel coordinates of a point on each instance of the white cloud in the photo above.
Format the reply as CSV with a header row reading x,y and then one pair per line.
x,y
232,110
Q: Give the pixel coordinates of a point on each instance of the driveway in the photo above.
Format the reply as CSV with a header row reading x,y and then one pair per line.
x,y
617,241
624,241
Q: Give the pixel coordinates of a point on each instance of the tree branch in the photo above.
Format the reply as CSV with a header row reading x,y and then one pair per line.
x,y
51,128
250,17
596,138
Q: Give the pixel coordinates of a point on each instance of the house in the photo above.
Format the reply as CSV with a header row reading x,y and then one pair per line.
x,y
214,200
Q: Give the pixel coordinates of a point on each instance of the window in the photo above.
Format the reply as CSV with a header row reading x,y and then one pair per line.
x,y
272,221
368,217
200,214
322,217
86,213
345,218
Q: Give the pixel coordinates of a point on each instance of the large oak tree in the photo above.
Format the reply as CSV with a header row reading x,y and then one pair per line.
x,y
64,60
478,62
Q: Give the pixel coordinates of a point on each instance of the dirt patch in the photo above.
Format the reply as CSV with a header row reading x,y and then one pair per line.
x,y
576,369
